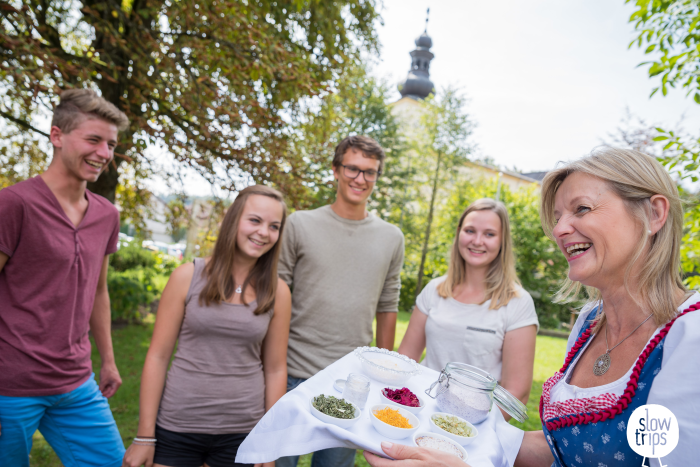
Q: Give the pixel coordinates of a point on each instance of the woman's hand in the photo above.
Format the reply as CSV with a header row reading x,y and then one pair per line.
x,y
138,455
407,456
266,464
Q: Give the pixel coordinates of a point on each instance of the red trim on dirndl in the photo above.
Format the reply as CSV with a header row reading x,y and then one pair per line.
x,y
627,395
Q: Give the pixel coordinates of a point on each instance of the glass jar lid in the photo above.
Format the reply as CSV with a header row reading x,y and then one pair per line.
x,y
510,403
470,376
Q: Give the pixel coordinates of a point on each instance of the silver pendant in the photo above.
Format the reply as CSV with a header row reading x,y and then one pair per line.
x,y
238,290
602,364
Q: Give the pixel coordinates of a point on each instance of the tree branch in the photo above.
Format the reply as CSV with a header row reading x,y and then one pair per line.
x,y
22,123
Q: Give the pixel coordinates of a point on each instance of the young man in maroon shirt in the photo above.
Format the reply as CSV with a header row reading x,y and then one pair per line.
x,y
55,239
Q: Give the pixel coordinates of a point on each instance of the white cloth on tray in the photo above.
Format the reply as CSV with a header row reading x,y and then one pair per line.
x,y
290,428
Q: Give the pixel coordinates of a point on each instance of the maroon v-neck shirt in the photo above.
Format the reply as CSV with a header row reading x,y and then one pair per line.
x,y
47,288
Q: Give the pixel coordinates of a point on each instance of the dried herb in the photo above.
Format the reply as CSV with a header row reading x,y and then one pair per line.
x,y
402,396
334,407
452,425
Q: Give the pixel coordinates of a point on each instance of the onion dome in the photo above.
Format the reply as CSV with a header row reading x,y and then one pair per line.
x,y
417,84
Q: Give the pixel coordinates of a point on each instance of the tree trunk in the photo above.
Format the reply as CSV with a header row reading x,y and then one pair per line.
x,y
112,90
106,185
424,253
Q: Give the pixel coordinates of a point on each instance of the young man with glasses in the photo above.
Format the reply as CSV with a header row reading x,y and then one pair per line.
x,y
344,266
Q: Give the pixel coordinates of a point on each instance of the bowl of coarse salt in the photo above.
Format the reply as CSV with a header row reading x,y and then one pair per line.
x,y
386,366
425,439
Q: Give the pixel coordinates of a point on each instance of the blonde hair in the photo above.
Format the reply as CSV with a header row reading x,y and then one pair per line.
x,y
78,104
635,177
501,280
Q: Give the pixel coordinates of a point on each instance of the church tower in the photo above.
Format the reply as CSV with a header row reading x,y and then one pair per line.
x,y
418,85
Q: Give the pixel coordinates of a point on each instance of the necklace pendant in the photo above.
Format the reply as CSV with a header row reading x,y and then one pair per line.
x,y
602,364
238,290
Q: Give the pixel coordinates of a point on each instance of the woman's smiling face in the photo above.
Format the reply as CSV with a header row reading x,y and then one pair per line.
x,y
259,227
594,231
480,238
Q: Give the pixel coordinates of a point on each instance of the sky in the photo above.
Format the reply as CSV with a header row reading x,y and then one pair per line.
x,y
548,80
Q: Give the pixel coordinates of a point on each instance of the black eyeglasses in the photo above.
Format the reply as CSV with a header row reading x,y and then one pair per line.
x,y
353,172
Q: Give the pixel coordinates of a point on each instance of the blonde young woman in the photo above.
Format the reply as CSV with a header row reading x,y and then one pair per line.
x,y
230,316
478,314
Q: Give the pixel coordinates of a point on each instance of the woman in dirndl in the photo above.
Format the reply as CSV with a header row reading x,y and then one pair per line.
x,y
617,218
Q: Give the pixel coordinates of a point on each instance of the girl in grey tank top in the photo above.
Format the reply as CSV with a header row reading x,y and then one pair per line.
x,y
229,316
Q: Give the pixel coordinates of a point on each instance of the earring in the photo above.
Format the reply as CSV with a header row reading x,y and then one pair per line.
x,y
649,232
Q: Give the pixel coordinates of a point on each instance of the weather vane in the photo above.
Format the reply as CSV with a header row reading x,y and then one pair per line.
x,y
427,16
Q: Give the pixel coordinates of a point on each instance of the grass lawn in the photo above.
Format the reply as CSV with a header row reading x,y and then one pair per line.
x,y
131,344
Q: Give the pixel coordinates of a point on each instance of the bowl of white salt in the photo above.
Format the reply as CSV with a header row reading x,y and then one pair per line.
x,y
425,439
386,366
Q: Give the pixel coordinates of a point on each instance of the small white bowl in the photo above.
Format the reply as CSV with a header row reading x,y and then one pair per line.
x,y
392,431
341,422
463,440
386,366
386,400
419,434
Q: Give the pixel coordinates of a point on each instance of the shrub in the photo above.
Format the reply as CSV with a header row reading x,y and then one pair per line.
x,y
132,256
133,282
165,264
129,290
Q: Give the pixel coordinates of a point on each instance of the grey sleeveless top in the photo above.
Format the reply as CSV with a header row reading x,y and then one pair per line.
x,y
215,384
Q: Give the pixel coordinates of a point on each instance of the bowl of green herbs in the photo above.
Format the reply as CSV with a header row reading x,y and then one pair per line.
x,y
453,427
333,410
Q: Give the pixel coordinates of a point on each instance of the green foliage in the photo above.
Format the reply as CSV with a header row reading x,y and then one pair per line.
x,y
690,248
165,264
132,256
438,144
541,267
134,280
128,291
670,30
211,80
177,216
20,157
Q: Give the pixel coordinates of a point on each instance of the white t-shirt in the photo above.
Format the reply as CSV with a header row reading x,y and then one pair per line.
x,y
470,333
676,387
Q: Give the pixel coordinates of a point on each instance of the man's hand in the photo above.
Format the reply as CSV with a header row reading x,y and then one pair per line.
x,y
407,456
109,380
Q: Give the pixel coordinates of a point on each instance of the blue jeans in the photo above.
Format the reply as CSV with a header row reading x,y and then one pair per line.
x,y
333,457
78,425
